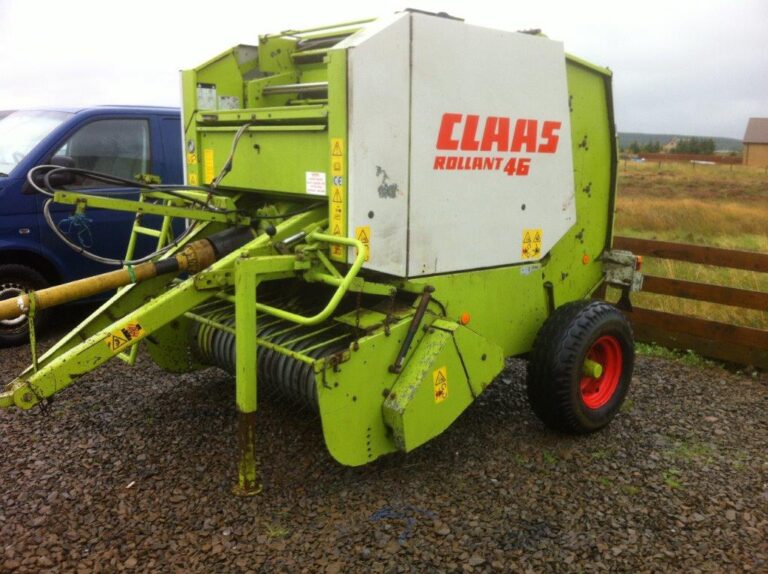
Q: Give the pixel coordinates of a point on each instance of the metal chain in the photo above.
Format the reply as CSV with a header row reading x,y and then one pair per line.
x,y
43,403
31,312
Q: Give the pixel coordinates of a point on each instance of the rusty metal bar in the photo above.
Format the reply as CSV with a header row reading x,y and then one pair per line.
x,y
397,366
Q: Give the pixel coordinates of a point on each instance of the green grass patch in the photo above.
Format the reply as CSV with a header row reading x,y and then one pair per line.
x,y
693,451
549,457
627,406
739,459
602,453
686,357
277,531
672,478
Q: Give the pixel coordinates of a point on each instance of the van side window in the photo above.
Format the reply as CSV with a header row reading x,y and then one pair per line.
x,y
116,147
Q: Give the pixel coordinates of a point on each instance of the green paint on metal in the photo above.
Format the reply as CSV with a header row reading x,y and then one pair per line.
x,y
329,30
429,394
253,265
170,347
351,394
246,283
369,319
316,112
70,198
481,359
592,369
448,370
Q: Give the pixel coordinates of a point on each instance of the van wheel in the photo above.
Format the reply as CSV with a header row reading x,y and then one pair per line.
x,y
15,280
581,366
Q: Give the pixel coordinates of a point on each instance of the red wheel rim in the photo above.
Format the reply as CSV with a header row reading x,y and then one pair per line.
x,y
597,391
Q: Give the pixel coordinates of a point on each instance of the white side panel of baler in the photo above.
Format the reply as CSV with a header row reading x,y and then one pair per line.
x,y
465,219
379,122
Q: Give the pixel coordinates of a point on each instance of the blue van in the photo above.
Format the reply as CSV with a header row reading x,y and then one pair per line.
x,y
118,140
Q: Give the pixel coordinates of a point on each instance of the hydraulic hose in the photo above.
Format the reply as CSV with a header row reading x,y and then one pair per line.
x,y
47,189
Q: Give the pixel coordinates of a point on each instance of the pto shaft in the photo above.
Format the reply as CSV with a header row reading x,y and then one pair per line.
x,y
194,258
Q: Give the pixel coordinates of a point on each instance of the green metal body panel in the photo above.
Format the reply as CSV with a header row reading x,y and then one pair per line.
x,y
451,367
350,398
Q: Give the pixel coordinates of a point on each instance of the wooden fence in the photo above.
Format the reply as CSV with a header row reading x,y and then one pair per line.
x,y
723,341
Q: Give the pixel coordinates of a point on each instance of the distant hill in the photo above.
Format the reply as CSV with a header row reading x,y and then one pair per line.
x,y
721,144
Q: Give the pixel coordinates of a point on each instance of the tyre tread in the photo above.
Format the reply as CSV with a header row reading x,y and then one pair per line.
x,y
556,350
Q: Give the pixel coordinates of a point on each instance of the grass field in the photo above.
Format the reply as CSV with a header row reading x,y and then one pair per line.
x,y
719,205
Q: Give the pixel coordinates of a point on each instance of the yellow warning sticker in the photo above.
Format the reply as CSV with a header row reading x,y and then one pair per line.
x,y
440,380
192,158
363,235
531,243
338,198
122,337
192,179
207,166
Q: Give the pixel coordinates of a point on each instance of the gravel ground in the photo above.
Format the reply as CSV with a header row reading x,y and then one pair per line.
x,y
131,470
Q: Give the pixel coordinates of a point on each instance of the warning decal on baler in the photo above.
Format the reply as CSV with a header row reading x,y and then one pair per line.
x,y
119,338
338,198
207,166
440,381
363,235
531,243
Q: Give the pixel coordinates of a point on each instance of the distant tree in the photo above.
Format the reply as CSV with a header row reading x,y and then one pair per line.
x,y
696,146
634,147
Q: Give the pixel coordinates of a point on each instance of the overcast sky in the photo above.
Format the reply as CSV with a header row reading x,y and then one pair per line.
x,y
688,67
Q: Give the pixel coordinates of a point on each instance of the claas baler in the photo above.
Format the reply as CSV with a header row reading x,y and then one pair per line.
x,y
379,213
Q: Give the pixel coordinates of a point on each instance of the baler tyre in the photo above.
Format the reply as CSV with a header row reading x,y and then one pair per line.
x,y
560,392
14,280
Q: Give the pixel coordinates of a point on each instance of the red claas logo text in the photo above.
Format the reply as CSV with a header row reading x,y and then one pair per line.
x,y
487,138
